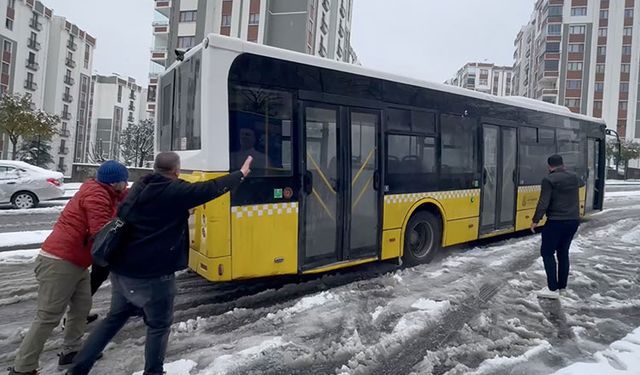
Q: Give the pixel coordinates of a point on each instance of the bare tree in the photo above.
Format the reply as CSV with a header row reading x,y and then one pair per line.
x,y
136,143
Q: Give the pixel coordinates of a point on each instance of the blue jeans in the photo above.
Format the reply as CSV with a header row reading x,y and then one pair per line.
x,y
556,240
153,298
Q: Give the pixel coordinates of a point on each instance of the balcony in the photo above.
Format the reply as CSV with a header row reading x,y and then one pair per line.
x,y
341,31
132,107
66,115
65,133
32,65
132,95
63,150
324,27
69,81
30,85
34,24
70,63
34,45
67,98
159,55
322,51
131,119
160,27
72,45
163,7
343,10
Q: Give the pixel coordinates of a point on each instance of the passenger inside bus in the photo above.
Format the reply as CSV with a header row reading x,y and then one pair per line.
x,y
248,142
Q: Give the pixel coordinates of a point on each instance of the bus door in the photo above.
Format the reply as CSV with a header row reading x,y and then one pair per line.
x,y
592,172
340,205
499,176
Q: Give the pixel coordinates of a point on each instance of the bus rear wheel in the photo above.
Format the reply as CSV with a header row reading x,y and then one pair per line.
x,y
422,238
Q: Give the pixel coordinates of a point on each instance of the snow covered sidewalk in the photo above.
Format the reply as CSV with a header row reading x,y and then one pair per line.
x,y
12,239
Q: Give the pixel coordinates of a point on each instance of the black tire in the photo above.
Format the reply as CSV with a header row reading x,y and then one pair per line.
x,y
24,200
422,238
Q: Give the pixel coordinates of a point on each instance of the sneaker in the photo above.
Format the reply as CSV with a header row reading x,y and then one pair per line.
x,y
92,318
546,293
563,293
12,371
65,360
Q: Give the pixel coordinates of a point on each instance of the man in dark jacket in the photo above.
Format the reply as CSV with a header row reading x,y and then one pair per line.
x,y
560,201
62,267
156,246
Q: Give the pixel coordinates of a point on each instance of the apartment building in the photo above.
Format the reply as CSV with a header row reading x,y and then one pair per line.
x,y
51,59
24,36
116,102
484,77
583,54
317,27
67,88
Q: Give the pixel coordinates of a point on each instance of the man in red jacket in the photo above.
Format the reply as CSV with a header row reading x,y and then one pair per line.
x,y
62,267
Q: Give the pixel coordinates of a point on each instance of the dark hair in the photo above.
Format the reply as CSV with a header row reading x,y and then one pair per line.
x,y
555,161
166,162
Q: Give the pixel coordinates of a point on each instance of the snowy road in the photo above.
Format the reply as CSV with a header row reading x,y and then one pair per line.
x,y
471,311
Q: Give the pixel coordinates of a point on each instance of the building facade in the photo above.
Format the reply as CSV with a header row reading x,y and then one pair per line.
x,y
51,59
116,102
583,54
317,27
484,77
67,88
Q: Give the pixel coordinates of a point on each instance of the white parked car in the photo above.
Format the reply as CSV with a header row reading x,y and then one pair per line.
x,y
25,185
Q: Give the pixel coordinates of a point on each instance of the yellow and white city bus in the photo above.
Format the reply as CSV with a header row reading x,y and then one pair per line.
x,y
353,165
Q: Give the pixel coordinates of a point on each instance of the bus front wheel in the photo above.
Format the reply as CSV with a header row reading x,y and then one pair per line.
x,y
422,238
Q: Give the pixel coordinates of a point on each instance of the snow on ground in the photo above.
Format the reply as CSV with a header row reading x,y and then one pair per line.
x,y
622,357
23,238
471,311
622,182
18,256
54,208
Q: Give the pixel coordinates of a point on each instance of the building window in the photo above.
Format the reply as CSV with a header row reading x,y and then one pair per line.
x,y
484,72
555,11
602,31
553,47
554,29
628,13
483,82
600,68
188,16
597,105
577,29
572,103
226,20
576,47
5,68
7,46
119,94
579,11
622,106
626,50
627,31
551,65
604,14
186,41
602,50
9,24
574,66
11,4
624,86
87,55
254,18
625,68
598,87
574,84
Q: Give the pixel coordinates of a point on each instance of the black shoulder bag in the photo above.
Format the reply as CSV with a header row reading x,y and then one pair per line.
x,y
109,239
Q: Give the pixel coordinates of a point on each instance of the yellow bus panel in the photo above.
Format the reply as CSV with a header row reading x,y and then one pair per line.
x,y
460,231
212,269
391,240
264,240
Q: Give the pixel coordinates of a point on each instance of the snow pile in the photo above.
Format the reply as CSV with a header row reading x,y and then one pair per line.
x,y
18,256
622,357
493,365
304,304
181,367
227,363
23,238
56,209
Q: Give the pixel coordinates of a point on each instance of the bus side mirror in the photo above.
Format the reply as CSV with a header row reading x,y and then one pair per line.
x,y
307,182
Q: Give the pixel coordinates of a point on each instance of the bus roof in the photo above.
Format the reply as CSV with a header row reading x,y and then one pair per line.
x,y
240,46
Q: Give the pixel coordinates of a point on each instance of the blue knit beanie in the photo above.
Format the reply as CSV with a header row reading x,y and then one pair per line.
x,y
111,172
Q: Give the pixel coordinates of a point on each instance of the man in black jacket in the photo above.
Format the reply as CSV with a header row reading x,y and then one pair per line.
x,y
560,201
155,247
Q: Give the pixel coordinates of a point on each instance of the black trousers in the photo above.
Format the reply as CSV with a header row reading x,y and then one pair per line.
x,y
556,240
98,276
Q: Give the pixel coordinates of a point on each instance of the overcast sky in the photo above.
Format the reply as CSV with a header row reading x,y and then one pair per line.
x,y
427,39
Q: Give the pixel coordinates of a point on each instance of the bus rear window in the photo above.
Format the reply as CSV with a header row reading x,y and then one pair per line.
x,y
260,126
185,129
